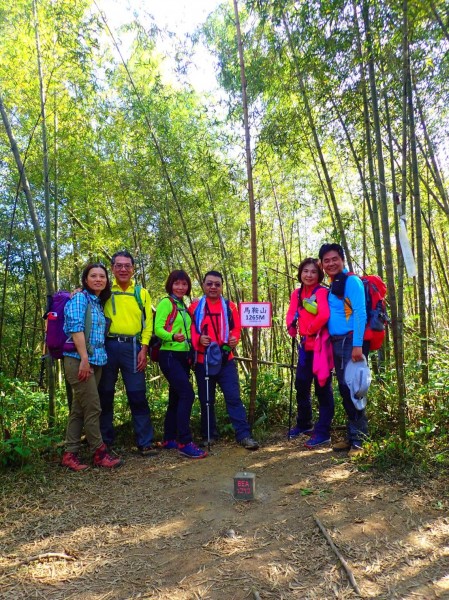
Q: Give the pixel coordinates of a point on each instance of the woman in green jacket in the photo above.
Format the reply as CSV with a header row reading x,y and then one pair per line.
x,y
172,326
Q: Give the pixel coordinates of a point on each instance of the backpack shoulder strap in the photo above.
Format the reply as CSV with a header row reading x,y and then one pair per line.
x,y
172,316
88,324
115,293
138,296
229,315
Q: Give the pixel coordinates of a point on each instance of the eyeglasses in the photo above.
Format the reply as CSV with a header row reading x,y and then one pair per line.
x,y
123,267
213,284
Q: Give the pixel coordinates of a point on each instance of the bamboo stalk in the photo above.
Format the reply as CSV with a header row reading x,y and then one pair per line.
x,y
337,553
44,556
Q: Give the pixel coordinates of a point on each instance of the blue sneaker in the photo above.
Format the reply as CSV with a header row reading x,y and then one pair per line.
x,y
191,451
296,431
316,440
169,445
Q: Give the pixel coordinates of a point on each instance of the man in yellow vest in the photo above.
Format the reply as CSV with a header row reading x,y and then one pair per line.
x,y
129,310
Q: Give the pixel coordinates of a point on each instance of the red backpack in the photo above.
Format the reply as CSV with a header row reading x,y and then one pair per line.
x,y
376,310
376,315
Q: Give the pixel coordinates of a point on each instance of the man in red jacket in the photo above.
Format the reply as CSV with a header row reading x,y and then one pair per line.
x,y
216,320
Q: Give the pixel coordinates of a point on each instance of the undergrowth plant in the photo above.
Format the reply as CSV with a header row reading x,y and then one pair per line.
x,y
23,422
24,432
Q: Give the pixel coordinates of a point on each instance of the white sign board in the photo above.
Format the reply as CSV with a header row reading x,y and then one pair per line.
x,y
255,314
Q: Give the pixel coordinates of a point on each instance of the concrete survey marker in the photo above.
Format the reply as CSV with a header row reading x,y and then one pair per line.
x,y
244,485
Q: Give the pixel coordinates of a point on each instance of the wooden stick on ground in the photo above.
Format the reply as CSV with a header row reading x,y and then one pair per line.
x,y
44,556
344,564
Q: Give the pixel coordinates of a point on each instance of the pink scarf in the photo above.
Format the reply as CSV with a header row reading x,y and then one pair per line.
x,y
323,357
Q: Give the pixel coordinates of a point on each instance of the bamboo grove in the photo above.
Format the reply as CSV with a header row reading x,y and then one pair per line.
x,y
346,104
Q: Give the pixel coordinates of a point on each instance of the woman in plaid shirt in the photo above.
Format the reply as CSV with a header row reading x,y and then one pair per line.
x,y
83,366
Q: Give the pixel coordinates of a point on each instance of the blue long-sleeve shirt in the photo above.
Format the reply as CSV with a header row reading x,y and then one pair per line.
x,y
349,313
74,320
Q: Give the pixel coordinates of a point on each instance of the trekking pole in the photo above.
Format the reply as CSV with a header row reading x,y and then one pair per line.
x,y
207,402
292,366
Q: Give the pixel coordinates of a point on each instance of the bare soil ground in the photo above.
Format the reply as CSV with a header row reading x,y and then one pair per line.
x,y
169,528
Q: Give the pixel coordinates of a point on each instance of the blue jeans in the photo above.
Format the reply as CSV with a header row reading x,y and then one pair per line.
x,y
122,357
357,422
303,385
176,369
228,381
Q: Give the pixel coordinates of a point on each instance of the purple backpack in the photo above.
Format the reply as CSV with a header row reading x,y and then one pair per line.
x,y
56,340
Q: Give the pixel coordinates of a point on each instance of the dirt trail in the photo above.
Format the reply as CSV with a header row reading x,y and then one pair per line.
x,y
169,528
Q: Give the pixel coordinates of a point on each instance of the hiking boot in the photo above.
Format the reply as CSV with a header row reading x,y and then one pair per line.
x,y
316,440
355,451
341,446
110,450
169,445
296,431
102,458
248,443
147,451
71,461
190,450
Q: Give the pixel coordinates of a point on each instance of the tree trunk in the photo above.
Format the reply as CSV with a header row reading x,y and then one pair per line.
x,y
439,20
245,339
419,236
5,276
55,197
40,244
435,171
308,110
252,216
278,212
369,149
160,154
44,136
31,207
397,321
382,180
358,165
23,300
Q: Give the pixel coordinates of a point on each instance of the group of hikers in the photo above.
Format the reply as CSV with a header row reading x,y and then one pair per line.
x,y
330,325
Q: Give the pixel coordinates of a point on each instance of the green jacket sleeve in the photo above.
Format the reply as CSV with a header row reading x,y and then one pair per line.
x,y
164,309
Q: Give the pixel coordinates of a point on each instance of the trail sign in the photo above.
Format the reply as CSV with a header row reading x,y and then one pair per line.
x,y
255,314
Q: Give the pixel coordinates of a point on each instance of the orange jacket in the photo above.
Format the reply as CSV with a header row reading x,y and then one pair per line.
x,y
211,325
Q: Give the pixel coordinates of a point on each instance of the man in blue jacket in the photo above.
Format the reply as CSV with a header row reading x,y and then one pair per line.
x,y
346,325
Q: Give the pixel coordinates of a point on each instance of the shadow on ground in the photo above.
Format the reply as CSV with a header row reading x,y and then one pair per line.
x,y
170,528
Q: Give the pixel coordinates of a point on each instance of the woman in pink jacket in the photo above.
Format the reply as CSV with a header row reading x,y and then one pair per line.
x,y
307,316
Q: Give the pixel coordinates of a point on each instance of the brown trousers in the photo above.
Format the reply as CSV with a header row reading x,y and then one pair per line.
x,y
85,411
